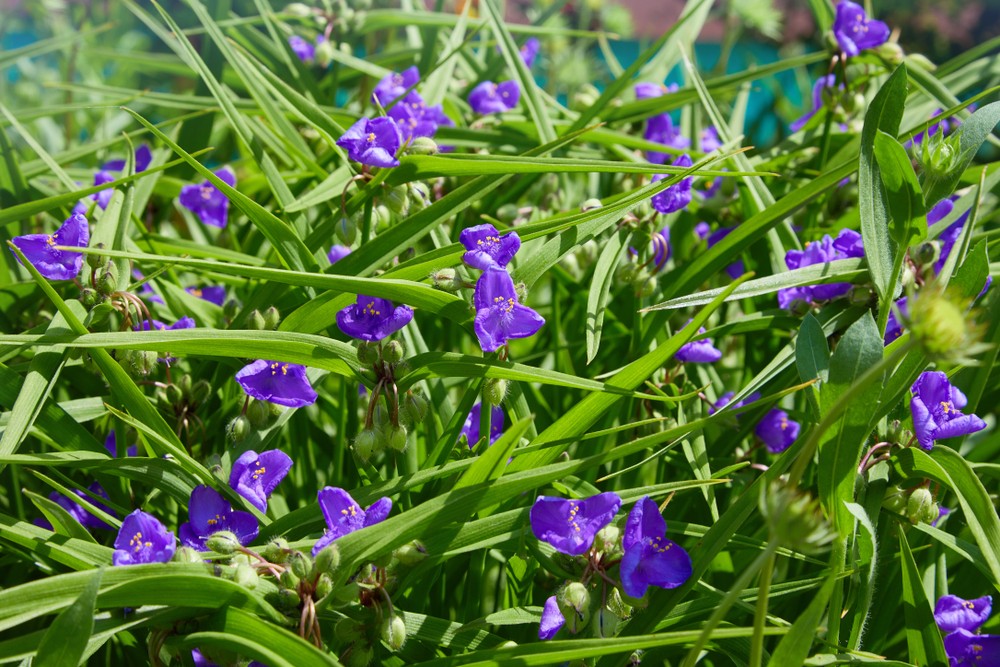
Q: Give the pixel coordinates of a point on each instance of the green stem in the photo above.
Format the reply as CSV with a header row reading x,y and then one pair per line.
x,y
886,306
760,616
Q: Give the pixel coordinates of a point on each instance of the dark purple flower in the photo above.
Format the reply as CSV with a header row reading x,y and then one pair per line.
x,y
40,249
699,351
552,619
489,97
143,156
727,398
111,444
736,269
277,382
677,196
570,525
183,323
650,558
395,85
212,293
530,51
966,649
373,142
893,328
208,513
942,513
710,139
344,516
660,129
371,318
952,612
646,90
415,119
207,201
847,245
827,81
143,539
952,232
75,510
255,476
486,247
854,31
303,48
104,196
702,229
499,316
337,253
777,431
937,410
470,429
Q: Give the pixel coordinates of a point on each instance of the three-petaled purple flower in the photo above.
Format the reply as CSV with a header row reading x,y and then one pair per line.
x,y
937,410
777,431
499,315
143,539
893,327
530,51
952,612
208,513
212,293
826,81
54,264
650,558
570,525
660,129
75,510
486,247
847,245
303,49
395,85
255,476
415,119
277,382
207,201
676,196
337,253
699,351
966,649
854,31
343,515
372,141
143,156
489,97
371,318
470,429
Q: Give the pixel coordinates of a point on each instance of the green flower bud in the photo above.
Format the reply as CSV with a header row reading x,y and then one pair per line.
x,y
522,291
184,384
410,554
89,297
393,352
938,324
585,97
324,585
300,564
398,199
187,555
507,212
174,394
574,603
419,194
446,280
288,599
368,353
139,362
96,260
346,230
381,217
607,538
275,551
107,279
299,9
246,576
223,542
365,444
324,53
927,253
328,560
289,580
347,630
799,307
646,288
795,519
258,414
230,309
628,272
919,506
895,500
616,603
415,406
347,593
200,392
397,437
605,623
238,429
394,632
891,52
272,318
358,656
256,321
495,390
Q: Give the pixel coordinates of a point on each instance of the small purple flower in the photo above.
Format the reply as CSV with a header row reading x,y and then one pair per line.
x,y
699,351
570,525
373,142
277,382
302,48
415,119
208,513
710,139
470,429
343,515
777,431
207,201
952,612
552,619
650,558
847,245
183,323
143,156
942,513
75,510
660,129
854,31
212,293
371,318
727,398
486,247
499,316
337,253
395,85
646,90
950,235
937,410
702,230
827,81
111,444
736,269
530,51
255,476
966,649
677,196
893,328
489,97
40,249
143,539
104,196
146,290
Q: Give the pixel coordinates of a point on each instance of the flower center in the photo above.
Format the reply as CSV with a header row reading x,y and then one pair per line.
x,y
504,305
573,510
259,471
371,137
349,511
490,242
784,423
968,604
137,542
196,292
275,366
659,546
369,310
206,191
947,407
51,240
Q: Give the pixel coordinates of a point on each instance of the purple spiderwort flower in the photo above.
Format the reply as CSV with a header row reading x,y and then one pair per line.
x,y
371,318
552,619
777,431
489,97
208,513
212,293
111,444
677,196
255,476
854,31
303,49
143,156
965,649
470,429
699,351
727,398
343,515
942,513
146,290
207,201
937,410
660,129
952,612
499,315
486,247
337,253
827,81
143,539
374,142
650,558
277,382
415,119
75,510
952,232
847,245
893,327
183,323
710,139
395,85
702,230
645,90
570,525
737,268
40,249
530,51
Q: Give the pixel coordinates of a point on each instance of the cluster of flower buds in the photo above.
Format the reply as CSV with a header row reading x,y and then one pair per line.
x,y
387,415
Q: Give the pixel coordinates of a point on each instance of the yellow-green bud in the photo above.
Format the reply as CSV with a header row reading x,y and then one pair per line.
x,y
89,297
358,656
618,605
230,308
446,280
381,217
258,414
891,52
223,542
139,362
272,318
895,500
97,260
398,199
300,564
574,603
174,394
368,353
328,560
607,538
324,53
288,599
289,580
397,437
200,392
415,406
495,390
238,429
927,253
419,195
275,551
410,554
187,555
627,272
394,632
921,61
107,281
256,321
324,585
365,444
299,9
590,205
246,576
920,507
393,352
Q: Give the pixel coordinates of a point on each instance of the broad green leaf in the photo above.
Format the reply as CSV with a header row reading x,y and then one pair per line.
x,y
62,521
922,635
66,639
812,352
600,289
902,189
